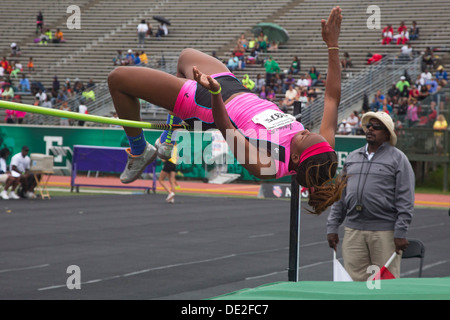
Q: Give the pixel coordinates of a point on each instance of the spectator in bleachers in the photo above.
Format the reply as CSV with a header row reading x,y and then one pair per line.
x,y
288,81
414,92
163,30
91,84
402,35
393,91
372,58
428,59
432,86
30,65
137,59
242,42
39,22
295,66
387,34
129,58
248,83
344,128
83,109
46,37
433,113
270,94
423,92
312,95
290,96
403,86
142,29
15,50
277,83
273,47
252,57
20,115
46,104
8,92
64,121
439,126
5,65
347,61
353,121
143,57
233,62
239,52
271,67
414,31
303,83
441,74
406,51
387,107
15,70
55,84
259,83
253,44
315,76
262,42
10,116
412,115
263,93
41,95
59,36
24,84
377,102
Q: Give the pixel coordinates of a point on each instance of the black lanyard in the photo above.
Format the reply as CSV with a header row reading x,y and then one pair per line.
x,y
359,206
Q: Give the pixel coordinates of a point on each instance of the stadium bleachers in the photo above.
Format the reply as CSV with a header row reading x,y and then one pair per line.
x,y
209,25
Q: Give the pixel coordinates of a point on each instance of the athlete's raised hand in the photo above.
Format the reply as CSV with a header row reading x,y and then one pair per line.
x,y
332,27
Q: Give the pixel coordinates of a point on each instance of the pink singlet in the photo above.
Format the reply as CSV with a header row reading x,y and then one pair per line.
x,y
259,120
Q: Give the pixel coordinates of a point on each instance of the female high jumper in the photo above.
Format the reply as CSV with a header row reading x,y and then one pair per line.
x,y
204,90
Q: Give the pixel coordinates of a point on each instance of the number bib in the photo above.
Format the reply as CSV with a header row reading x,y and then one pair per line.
x,y
273,119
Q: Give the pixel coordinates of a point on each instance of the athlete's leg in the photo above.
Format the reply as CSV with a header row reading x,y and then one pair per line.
x,y
162,176
129,84
172,180
204,62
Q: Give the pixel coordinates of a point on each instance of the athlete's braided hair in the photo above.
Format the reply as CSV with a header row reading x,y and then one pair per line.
x,y
317,174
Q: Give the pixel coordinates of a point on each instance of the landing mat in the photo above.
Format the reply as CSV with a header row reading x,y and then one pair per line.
x,y
395,289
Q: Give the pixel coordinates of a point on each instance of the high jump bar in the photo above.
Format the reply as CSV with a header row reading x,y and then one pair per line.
x,y
90,117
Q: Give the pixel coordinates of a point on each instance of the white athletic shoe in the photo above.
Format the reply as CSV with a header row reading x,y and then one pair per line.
x,y
171,198
136,164
4,195
164,150
13,195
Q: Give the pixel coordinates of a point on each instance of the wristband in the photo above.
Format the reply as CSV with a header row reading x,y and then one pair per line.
x,y
217,92
333,48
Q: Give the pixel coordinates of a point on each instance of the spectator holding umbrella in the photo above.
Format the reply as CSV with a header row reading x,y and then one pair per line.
x,y
163,30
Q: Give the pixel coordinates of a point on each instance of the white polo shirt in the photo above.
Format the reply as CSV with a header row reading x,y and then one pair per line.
x,y
22,164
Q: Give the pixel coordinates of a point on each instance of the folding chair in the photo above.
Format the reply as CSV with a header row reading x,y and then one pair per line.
x,y
415,249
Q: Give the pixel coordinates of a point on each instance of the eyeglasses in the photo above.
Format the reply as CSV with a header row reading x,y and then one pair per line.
x,y
377,127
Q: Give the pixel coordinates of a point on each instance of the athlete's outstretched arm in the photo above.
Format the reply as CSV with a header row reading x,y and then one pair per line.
x,y
256,161
330,34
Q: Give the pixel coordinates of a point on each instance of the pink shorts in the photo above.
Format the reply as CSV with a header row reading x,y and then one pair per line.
x,y
187,107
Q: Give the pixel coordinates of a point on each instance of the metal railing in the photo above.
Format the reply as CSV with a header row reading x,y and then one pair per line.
x,y
379,76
